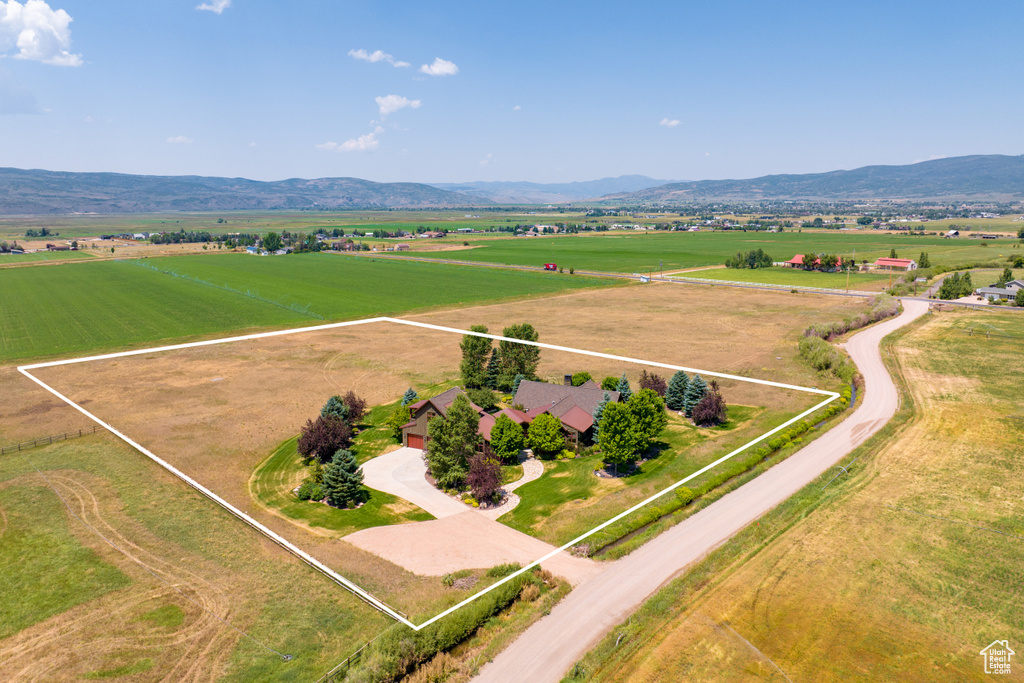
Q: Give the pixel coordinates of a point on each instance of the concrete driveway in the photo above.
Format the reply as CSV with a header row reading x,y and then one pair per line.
x,y
401,473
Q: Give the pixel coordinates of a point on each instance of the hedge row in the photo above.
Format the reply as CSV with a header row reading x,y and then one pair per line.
x,y
826,358
684,496
882,306
398,650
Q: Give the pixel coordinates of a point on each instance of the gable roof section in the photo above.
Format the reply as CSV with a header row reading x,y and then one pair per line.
x,y
577,418
558,399
440,402
897,262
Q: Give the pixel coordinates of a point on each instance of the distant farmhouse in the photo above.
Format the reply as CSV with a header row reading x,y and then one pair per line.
x,y
1009,291
573,406
895,264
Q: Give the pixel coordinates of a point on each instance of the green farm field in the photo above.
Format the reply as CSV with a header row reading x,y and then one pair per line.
x,y
870,282
82,307
644,252
14,259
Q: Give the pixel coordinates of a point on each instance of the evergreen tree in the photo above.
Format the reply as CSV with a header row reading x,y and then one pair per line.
x,y
923,261
892,253
623,388
676,392
493,370
1007,276
598,412
515,384
409,396
343,480
475,351
694,393
335,407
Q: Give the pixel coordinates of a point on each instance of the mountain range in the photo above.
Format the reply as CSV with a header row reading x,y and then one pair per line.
x,y
991,176
552,193
52,192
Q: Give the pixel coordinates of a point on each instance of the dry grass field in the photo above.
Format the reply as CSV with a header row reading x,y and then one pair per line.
x,y
903,572
217,412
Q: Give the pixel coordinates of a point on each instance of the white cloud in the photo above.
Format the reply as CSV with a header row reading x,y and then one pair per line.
x,y
389,104
37,32
180,140
377,56
216,6
669,123
363,143
516,108
440,67
486,160
253,144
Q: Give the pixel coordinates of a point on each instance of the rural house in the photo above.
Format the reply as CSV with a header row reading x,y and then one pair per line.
x,y
1008,291
573,406
414,433
798,262
896,264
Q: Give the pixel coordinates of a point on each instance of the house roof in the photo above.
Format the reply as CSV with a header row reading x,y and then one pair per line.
x,y
886,261
440,402
577,418
487,420
798,260
558,399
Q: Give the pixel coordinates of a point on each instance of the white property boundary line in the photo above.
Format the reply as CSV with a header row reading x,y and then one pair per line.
x,y
315,563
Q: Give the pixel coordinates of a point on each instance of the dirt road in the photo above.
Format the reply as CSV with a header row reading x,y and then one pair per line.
x,y
547,650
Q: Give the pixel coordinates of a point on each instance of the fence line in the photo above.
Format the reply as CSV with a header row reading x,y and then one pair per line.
x,y
338,673
252,295
46,440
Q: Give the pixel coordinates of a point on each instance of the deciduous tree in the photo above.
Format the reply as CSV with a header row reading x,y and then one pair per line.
x,y
507,439
610,383
581,378
647,410
710,410
545,435
654,382
399,416
484,477
324,437
475,352
516,358
618,435
356,406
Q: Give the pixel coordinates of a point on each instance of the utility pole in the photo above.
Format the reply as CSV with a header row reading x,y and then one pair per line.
x,y
848,271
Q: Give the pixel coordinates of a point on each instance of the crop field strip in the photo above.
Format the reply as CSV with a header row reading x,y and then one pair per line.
x,y
111,304
327,571
652,251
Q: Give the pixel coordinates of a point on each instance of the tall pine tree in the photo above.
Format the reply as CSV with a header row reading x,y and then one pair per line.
x,y
343,480
623,388
409,396
694,393
675,395
598,412
493,370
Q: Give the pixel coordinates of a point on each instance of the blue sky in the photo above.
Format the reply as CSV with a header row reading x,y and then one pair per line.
x,y
540,91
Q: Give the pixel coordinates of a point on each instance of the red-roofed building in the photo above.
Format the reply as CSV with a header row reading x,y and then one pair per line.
x,y
798,262
896,264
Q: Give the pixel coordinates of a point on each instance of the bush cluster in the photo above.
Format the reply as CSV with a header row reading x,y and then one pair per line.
x,y
882,306
684,496
826,358
399,649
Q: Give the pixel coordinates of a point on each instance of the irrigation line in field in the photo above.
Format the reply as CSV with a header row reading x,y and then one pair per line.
x,y
147,569
248,293
829,396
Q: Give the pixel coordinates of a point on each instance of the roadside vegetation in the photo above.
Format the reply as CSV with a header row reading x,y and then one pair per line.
x,y
927,580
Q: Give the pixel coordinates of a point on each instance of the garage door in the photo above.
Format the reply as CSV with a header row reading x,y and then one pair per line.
x,y
415,441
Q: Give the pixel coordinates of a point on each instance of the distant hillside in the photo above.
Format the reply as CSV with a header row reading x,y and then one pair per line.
x,y
980,176
551,193
50,192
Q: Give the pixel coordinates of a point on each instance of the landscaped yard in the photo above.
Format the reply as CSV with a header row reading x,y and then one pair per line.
x,y
274,482
571,499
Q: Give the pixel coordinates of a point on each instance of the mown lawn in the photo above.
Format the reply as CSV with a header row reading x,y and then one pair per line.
x,y
11,259
274,480
74,308
795,277
571,499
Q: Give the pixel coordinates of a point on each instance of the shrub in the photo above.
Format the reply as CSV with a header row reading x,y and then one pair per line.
x,y
545,435
711,409
581,378
309,491
610,383
503,570
484,477
399,416
323,438
653,382
530,592
506,439
487,399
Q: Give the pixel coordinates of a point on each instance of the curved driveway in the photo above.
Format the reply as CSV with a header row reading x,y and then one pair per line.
x,y
547,650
